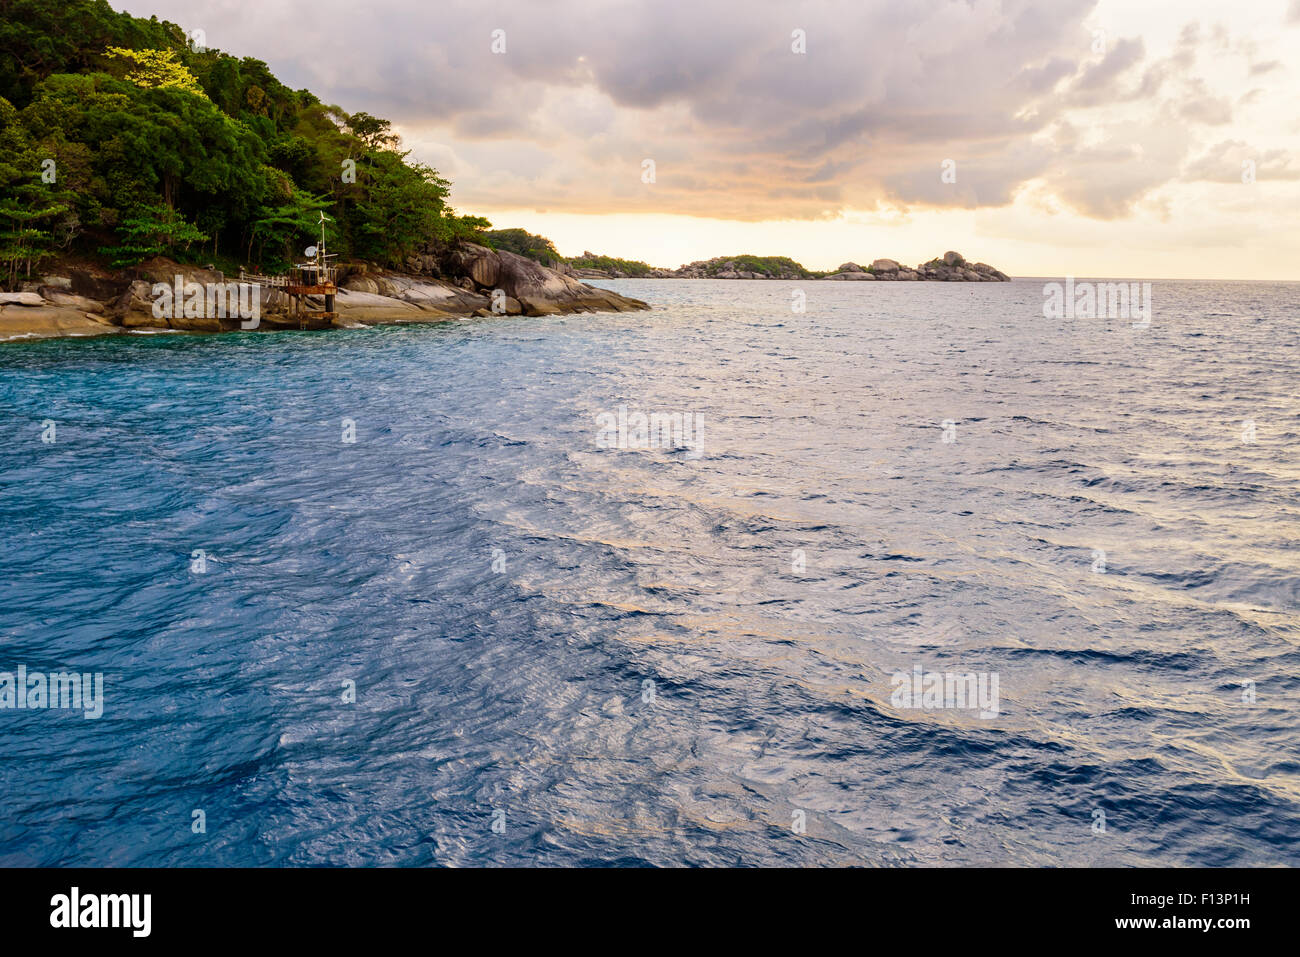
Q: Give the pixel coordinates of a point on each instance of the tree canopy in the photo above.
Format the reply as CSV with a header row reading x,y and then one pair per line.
x,y
119,138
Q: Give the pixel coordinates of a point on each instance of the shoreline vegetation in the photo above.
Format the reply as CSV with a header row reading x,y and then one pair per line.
x,y
950,267
134,159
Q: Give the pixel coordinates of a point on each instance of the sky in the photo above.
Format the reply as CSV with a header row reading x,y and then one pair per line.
x,y
1101,138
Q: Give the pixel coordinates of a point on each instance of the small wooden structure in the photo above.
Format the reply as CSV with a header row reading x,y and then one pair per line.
x,y
304,282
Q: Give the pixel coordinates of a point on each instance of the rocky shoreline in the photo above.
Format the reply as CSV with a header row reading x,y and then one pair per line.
x,y
93,302
950,267
467,281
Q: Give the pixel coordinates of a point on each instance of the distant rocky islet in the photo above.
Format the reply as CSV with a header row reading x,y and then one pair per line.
x,y
950,267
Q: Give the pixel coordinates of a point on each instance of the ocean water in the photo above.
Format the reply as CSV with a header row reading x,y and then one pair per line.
x,y
571,654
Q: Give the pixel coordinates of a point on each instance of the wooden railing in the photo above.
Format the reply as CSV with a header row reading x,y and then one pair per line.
x,y
263,280
299,277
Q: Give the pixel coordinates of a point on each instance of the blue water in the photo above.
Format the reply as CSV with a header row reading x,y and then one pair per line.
x,y
650,677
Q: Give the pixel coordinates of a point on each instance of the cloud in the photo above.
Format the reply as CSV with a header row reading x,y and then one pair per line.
x,y
1201,106
1224,163
738,123
1105,178
1099,82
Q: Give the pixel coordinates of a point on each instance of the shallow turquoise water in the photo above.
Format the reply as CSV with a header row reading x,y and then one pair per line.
x,y
500,588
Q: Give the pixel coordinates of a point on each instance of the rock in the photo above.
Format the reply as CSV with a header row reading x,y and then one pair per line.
x,y
542,291
990,274
136,298
529,288
953,268
142,320
198,323
538,306
95,287
884,265
69,301
385,287
48,322
432,294
484,268
370,308
161,269
849,267
21,299
362,284
58,282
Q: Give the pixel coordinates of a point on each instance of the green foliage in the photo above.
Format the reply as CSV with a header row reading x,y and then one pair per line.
x,y
39,38
282,228
36,218
523,243
148,231
375,133
767,265
155,68
136,121
630,267
396,211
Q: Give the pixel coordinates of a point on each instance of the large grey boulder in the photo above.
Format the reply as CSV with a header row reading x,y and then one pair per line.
x,y
68,301
21,299
989,274
543,291
361,284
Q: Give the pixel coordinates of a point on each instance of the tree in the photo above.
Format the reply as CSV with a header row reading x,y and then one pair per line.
x,y
33,212
295,216
401,207
375,133
137,121
156,69
523,243
149,231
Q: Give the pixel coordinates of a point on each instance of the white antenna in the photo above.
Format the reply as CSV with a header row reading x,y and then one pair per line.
x,y
320,251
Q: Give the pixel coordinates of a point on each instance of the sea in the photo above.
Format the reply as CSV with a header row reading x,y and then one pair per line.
x,y
776,573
